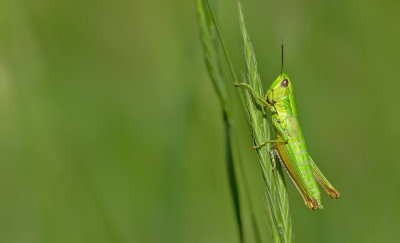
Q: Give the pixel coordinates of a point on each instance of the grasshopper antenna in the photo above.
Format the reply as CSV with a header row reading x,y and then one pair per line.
x,y
282,55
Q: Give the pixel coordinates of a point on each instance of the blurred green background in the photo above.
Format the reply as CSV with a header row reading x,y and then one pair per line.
x,y
110,130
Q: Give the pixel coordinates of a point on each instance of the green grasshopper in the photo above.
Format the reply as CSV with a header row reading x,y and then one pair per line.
x,y
290,147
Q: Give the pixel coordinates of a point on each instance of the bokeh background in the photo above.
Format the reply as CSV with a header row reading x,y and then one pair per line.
x,y
110,130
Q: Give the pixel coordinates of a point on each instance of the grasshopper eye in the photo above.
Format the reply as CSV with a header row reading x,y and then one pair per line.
x,y
285,83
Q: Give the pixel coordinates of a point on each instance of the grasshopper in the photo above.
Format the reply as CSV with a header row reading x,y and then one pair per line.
x,y
290,147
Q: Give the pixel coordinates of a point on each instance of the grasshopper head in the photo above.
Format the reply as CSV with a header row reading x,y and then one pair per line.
x,y
279,89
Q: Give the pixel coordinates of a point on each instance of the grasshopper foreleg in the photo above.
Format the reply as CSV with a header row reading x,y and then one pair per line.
x,y
263,101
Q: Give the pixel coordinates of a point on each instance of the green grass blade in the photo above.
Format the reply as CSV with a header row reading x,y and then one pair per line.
x,y
209,43
221,39
232,175
211,54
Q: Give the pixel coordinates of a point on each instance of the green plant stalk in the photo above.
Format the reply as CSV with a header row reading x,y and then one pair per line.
x,y
209,42
277,197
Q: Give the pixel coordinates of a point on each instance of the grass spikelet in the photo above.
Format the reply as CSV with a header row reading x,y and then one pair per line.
x,y
276,194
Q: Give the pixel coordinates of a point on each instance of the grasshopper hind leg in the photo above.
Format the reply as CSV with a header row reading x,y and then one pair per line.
x,y
321,179
273,160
